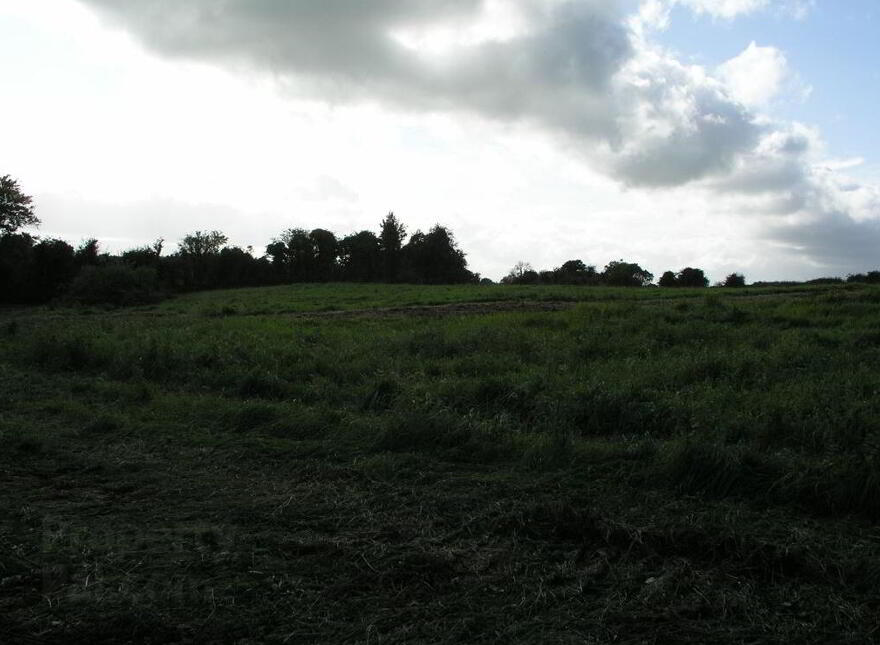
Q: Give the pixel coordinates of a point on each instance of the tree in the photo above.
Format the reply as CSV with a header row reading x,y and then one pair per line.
x,y
573,266
276,251
144,256
690,277
54,266
734,280
325,249
300,254
16,208
516,274
16,258
391,237
872,277
576,272
668,279
201,244
626,274
237,267
195,266
87,254
360,257
434,258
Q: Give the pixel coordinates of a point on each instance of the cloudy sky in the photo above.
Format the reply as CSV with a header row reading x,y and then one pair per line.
x,y
734,135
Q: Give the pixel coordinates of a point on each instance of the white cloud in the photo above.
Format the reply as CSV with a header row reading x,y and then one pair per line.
x,y
756,76
677,124
726,9
843,164
732,9
655,14
760,75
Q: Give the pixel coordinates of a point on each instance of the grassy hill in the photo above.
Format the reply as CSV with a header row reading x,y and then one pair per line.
x,y
378,464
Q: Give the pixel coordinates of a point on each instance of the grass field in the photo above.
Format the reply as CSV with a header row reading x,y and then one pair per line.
x,y
382,464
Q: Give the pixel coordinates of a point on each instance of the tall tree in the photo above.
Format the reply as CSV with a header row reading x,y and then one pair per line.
x,y
391,238
276,251
16,208
325,248
16,258
87,254
54,266
434,258
201,244
300,254
196,265
360,257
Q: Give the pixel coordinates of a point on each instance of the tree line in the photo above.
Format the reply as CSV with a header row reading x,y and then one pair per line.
x,y
34,270
618,273
621,273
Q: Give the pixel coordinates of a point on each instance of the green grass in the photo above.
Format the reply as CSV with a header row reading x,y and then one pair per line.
x,y
638,465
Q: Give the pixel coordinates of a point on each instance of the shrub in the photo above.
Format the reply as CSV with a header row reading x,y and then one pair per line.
x,y
115,284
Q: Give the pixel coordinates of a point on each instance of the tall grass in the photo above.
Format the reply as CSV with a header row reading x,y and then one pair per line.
x,y
753,393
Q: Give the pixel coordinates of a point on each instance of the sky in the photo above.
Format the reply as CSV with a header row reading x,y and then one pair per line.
x,y
731,135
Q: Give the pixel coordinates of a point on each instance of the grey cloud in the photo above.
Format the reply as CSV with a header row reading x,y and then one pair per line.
x,y
345,51
766,176
286,35
779,164
706,145
830,221
813,213
562,75
833,240
781,167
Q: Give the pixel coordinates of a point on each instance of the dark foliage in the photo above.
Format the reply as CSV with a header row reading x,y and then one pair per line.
x,y
825,281
687,277
88,254
872,277
668,279
626,274
360,257
35,271
391,239
115,284
16,259
53,266
690,277
434,258
579,273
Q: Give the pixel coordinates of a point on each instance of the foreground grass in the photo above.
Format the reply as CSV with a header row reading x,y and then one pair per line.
x,y
644,465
